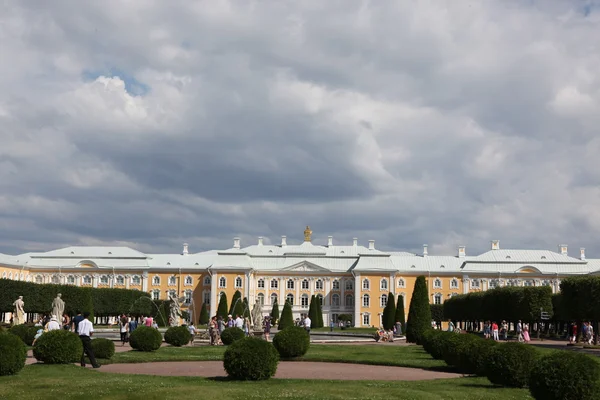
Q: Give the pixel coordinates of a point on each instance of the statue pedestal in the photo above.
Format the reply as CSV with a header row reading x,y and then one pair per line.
x,y
257,333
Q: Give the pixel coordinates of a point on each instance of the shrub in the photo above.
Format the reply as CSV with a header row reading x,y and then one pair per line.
x,y
103,348
456,352
12,354
250,359
509,364
287,318
230,335
438,344
292,342
178,336
389,313
565,375
477,355
58,347
25,332
419,313
145,338
428,340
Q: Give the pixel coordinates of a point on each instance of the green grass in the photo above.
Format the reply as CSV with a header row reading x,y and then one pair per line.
x,y
71,382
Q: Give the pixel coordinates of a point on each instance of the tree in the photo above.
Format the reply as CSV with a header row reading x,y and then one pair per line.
x,y
246,308
275,313
235,300
319,311
437,313
400,312
222,308
204,314
419,313
389,313
287,319
312,312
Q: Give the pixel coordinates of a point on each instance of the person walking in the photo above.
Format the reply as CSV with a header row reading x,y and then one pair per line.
x,y
86,330
307,323
123,329
495,331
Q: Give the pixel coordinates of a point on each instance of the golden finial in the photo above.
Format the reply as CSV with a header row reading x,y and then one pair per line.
x,y
307,233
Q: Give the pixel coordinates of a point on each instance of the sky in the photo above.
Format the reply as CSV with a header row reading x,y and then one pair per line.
x,y
150,123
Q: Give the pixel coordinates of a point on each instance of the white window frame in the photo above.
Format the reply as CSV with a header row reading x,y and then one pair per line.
x,y
288,297
260,284
319,284
305,284
349,285
366,284
120,281
401,283
366,319
304,301
438,298
335,300
366,300
351,298
136,280
104,280
273,296
437,283
206,280
239,282
87,280
222,282
383,284
274,284
172,280
55,280
187,296
69,279
155,280
383,299
206,294
290,284
261,299
156,294
454,283
335,285
189,281
475,284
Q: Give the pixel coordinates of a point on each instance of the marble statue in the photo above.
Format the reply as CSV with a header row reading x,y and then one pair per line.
x,y
19,314
175,311
257,316
58,306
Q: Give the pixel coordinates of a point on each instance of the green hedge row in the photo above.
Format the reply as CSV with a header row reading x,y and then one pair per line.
x,y
578,299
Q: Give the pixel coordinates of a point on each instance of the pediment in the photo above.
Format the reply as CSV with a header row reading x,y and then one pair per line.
x,y
305,266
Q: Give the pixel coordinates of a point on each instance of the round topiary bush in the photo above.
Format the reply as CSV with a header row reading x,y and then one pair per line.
x,y
178,336
292,342
437,344
12,354
509,364
456,352
25,332
103,348
145,338
230,335
58,347
476,355
250,359
565,375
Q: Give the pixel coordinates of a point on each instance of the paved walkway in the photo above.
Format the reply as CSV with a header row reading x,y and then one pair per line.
x,y
285,370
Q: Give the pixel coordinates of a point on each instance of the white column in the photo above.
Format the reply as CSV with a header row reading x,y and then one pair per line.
x,y
311,285
214,296
392,284
327,295
95,280
127,281
282,285
357,301
342,293
297,284
465,283
144,281
247,286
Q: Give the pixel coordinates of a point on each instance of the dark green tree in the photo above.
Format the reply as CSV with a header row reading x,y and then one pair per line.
x,y
275,313
419,313
287,318
437,313
400,312
246,308
389,313
235,300
222,308
204,314
320,323
312,312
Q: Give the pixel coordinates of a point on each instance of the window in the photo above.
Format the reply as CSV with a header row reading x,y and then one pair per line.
x,y
222,282
156,280
71,280
290,284
454,283
319,284
104,280
304,300
349,300
383,285
366,284
529,283
366,301
493,283
189,281
274,284
238,282
437,299
437,283
261,284
136,280
335,285
206,297
261,299
366,319
206,280
55,279
401,283
187,297
39,279
87,280
349,284
10,275
383,300
454,294
290,299
335,300
320,298
305,284
120,280
475,283
172,293
156,294
273,298
172,280
545,283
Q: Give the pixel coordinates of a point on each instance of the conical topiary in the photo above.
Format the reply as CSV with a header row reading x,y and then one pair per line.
x,y
287,318
222,309
319,311
389,313
275,313
235,300
419,313
246,308
400,312
203,315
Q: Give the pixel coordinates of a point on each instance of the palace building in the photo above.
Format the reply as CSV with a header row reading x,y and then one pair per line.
x,y
350,279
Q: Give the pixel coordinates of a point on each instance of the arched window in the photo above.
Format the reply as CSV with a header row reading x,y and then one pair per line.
x,y
206,296
335,285
172,293
545,283
104,280
4,275
273,298
172,280
156,294
260,284
136,280
383,300
304,300
454,283
156,280
305,284
437,283
366,300
320,298
290,299
319,284
71,280
493,283
206,280
87,280
366,284
366,319
274,283
349,284
335,300
290,284
222,282
238,282
187,299
120,280
475,283
529,283
437,299
10,275
261,299
55,279
401,283
189,280
383,285
349,300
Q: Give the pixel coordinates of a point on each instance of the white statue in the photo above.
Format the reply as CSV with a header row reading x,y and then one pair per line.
x,y
257,316
175,310
19,314
58,306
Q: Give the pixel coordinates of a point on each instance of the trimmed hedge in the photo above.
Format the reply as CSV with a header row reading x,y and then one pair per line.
x,y
292,342
287,319
103,348
12,354
509,364
25,332
457,352
565,375
478,353
230,335
145,338
419,313
58,347
178,336
250,358
434,342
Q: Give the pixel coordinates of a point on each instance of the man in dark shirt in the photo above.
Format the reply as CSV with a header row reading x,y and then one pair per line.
x,y
76,320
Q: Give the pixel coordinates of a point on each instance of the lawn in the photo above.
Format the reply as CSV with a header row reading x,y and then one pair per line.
x,y
71,382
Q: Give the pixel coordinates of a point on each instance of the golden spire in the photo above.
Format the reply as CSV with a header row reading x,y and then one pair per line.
x,y
307,234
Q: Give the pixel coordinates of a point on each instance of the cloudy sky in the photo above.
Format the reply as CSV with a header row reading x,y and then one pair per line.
x,y
151,123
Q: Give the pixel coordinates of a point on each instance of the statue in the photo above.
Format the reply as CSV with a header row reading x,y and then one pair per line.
x,y
19,314
257,316
175,311
307,234
58,306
